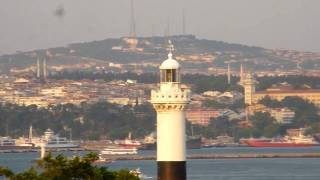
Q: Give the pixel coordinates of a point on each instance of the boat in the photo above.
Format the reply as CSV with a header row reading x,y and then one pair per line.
x,y
129,142
119,151
137,172
7,143
51,140
26,142
287,141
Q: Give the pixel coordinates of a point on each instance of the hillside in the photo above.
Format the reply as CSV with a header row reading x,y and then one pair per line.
x,y
192,52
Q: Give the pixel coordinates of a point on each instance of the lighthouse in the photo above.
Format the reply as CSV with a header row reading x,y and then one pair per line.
x,y
169,102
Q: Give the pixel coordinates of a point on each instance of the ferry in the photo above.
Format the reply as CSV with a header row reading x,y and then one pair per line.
x,y
119,151
287,141
52,140
7,143
129,142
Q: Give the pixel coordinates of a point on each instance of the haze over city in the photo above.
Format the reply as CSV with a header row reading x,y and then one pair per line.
x,y
287,24
167,90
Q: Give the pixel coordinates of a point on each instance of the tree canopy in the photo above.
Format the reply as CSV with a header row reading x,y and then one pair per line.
x,y
87,121
61,167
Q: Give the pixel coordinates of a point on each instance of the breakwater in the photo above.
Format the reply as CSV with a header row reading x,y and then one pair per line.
x,y
220,156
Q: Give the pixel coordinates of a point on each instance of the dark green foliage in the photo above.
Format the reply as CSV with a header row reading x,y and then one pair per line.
x,y
271,103
221,126
210,83
88,121
264,125
296,81
214,104
61,167
306,112
217,127
6,172
239,104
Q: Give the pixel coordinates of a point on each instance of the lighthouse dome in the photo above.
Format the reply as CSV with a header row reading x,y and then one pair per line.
x,y
170,63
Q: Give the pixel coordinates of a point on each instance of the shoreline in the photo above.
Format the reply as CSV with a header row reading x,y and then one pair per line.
x,y
210,155
219,156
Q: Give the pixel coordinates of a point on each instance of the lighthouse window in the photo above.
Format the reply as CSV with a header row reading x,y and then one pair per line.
x,y
169,75
163,76
174,75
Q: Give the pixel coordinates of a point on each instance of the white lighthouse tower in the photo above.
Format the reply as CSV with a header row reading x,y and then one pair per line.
x,y
170,101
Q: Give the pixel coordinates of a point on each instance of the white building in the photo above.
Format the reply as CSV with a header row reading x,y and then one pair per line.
x,y
282,115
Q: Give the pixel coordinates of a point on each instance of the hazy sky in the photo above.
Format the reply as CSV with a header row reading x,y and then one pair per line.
x,y
288,24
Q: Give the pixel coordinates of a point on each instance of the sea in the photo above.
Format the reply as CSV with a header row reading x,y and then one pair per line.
x,y
208,169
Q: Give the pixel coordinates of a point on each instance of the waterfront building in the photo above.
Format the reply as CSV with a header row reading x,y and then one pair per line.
x,y
201,116
282,115
278,93
170,101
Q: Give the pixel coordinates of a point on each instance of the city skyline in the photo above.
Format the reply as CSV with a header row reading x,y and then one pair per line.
x,y
272,24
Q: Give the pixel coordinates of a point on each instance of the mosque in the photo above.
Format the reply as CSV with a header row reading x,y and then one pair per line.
x,y
252,96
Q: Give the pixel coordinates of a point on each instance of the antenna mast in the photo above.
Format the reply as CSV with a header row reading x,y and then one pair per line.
x,y
132,21
183,22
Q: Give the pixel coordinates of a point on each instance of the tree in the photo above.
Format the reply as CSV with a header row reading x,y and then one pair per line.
x,y
306,113
264,125
271,103
60,167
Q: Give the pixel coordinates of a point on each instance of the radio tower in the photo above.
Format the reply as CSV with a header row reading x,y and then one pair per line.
x,y
132,21
183,22
132,40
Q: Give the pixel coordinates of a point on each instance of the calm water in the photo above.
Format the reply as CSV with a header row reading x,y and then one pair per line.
x,y
222,169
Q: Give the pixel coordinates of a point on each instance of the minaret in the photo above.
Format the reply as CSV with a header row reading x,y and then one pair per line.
x,y
45,73
38,68
170,101
241,71
30,134
249,89
229,74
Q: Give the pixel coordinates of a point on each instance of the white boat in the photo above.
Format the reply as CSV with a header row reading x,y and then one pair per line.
x,y
25,142
7,143
119,151
52,140
137,172
129,142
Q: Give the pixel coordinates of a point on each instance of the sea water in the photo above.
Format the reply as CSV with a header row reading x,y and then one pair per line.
x,y
210,169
